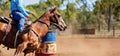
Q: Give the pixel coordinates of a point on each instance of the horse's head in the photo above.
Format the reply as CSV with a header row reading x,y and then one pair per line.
x,y
56,19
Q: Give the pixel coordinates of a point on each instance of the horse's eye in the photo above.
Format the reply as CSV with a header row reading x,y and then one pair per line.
x,y
58,15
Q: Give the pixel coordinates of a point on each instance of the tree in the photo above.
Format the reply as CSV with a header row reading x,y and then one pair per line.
x,y
5,8
97,12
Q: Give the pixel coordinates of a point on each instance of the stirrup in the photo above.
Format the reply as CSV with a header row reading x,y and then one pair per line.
x,y
16,36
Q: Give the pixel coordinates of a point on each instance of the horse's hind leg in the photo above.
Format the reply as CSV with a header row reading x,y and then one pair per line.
x,y
20,48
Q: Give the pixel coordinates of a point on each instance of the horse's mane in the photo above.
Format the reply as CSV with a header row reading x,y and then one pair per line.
x,y
40,17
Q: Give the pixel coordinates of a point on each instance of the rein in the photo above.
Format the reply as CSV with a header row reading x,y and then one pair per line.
x,y
44,23
50,23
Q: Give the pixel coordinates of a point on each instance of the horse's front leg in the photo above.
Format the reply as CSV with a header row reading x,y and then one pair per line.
x,y
21,47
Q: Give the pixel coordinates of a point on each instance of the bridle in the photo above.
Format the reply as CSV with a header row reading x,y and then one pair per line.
x,y
50,22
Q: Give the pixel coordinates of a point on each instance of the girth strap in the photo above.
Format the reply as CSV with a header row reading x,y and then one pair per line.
x,y
35,33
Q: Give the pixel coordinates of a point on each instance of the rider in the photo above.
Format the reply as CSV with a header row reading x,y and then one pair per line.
x,y
19,13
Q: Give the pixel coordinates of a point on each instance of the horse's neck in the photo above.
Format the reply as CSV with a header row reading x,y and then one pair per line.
x,y
41,28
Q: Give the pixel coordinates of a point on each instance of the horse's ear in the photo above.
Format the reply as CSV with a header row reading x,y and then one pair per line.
x,y
53,9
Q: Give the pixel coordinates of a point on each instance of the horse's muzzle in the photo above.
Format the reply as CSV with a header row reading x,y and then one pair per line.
x,y
65,28
61,28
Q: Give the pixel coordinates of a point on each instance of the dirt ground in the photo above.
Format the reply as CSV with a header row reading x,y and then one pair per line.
x,y
80,47
88,47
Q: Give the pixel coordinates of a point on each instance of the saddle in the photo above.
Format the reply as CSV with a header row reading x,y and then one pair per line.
x,y
9,21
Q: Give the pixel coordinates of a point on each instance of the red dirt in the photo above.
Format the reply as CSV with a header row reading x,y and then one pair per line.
x,y
81,47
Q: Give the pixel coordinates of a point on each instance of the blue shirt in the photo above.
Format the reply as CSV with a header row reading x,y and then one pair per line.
x,y
18,5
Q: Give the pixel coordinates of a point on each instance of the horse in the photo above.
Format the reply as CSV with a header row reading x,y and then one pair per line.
x,y
31,36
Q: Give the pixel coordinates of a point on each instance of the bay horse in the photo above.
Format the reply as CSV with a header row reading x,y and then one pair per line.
x,y
30,38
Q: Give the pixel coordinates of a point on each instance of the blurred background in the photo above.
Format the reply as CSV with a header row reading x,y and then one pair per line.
x,y
96,20
89,18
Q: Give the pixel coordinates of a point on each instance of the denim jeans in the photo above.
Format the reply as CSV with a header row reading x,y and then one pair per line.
x,y
20,18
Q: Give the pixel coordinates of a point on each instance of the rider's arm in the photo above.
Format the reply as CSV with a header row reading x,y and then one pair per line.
x,y
28,11
21,8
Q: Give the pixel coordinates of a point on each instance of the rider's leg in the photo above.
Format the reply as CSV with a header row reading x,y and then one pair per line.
x,y
21,24
21,20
